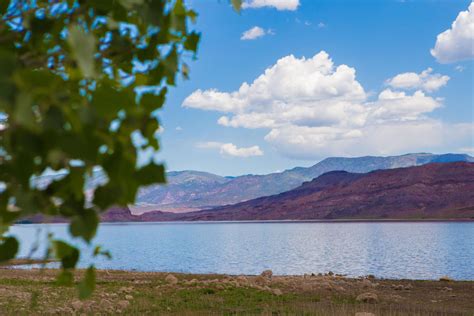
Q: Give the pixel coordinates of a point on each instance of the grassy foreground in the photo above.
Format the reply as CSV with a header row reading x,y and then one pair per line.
x,y
33,292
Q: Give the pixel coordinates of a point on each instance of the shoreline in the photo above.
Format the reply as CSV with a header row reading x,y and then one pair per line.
x,y
289,221
34,292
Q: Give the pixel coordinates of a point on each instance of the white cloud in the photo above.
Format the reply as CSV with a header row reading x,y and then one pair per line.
x,y
313,108
295,89
280,5
426,80
459,68
456,43
179,128
254,33
229,149
373,139
321,25
398,106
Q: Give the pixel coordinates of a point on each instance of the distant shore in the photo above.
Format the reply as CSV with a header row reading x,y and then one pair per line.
x,y
34,292
365,220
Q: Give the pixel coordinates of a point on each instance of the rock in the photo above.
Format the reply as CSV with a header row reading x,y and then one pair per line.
x,y
370,298
397,287
125,289
267,274
408,287
261,280
446,289
123,304
364,314
171,279
396,297
366,283
446,279
242,279
128,297
277,292
76,305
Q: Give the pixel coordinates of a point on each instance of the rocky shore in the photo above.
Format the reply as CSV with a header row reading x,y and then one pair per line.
x,y
34,292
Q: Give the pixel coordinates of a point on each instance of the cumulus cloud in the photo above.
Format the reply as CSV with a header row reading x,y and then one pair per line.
x,y
456,43
398,106
426,80
280,5
300,142
313,108
254,33
229,149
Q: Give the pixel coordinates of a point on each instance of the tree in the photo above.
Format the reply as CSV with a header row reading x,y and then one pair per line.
x,y
80,83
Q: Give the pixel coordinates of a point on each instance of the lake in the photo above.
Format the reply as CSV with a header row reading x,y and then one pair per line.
x,y
415,250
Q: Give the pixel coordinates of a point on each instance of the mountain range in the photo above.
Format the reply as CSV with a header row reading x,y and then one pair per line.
x,y
431,191
194,190
436,190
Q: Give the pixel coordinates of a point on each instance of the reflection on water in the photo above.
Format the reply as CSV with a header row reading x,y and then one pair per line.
x,y
390,250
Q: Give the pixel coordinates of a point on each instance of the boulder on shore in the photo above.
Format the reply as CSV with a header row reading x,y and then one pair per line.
x,y
267,274
370,298
446,279
171,279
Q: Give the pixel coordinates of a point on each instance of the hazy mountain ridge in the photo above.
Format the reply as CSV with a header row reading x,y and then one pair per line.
x,y
192,190
436,190
430,191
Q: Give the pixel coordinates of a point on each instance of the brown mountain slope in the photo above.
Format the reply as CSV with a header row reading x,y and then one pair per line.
x,y
430,191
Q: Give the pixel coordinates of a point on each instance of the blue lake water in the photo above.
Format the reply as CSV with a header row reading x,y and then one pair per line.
x,y
415,250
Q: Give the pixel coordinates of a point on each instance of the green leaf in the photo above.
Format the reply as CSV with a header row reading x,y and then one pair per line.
x,y
152,102
99,252
65,278
68,254
130,4
192,41
23,114
107,101
8,248
87,285
151,173
4,6
83,49
84,225
237,5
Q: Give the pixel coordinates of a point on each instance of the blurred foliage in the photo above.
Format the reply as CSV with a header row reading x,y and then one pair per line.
x,y
80,83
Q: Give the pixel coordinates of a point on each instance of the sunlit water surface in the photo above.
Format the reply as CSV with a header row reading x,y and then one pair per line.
x,y
390,250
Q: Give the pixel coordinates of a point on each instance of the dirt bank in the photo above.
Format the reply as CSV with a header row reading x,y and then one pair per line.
x,y
34,292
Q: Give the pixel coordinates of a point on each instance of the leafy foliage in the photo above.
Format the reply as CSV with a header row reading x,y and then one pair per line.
x,y
80,83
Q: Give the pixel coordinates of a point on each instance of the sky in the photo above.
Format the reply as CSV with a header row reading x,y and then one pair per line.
x,y
287,83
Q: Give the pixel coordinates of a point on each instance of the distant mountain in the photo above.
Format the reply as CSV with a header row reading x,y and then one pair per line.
x,y
437,190
193,190
431,191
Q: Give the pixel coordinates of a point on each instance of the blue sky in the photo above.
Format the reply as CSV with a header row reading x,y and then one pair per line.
x,y
346,101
